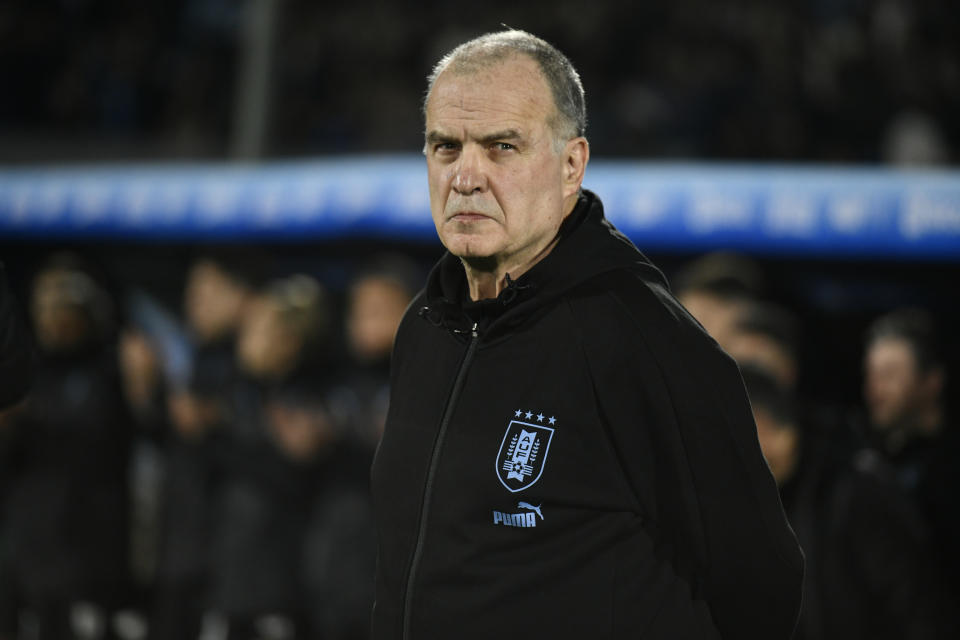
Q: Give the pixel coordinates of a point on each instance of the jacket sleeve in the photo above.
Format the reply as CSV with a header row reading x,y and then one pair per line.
x,y
16,351
711,503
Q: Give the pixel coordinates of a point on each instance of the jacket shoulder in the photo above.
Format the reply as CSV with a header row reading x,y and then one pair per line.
x,y
647,305
650,358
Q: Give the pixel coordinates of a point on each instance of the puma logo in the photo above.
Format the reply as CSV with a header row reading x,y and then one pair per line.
x,y
527,505
519,519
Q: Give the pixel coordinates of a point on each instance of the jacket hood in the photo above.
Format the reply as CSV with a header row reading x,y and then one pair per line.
x,y
589,246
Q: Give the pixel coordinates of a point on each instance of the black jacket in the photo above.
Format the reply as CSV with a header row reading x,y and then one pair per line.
x,y
576,459
17,360
869,564
66,504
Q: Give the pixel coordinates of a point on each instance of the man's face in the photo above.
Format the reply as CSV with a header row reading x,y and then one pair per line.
x,y
893,387
213,301
266,346
497,186
60,321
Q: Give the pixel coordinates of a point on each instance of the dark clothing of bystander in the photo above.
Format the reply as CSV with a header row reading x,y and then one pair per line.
x,y
340,545
869,570
259,511
16,350
363,396
927,470
17,363
66,506
187,521
293,548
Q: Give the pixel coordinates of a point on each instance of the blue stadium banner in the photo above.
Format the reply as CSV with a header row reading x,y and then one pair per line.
x,y
823,211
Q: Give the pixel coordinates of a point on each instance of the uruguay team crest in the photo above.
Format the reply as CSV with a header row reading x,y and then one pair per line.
x,y
523,454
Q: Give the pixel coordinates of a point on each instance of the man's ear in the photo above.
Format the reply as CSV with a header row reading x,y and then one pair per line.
x,y
576,154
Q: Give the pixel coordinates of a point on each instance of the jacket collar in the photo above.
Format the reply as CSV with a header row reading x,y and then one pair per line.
x,y
589,245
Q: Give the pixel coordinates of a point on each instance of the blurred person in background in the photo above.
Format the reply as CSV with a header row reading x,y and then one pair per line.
x,y
903,388
869,571
284,331
219,288
765,335
904,383
261,502
337,552
144,390
66,504
16,348
716,289
17,362
376,300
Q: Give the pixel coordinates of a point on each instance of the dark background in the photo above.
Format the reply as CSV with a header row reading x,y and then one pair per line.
x,y
795,80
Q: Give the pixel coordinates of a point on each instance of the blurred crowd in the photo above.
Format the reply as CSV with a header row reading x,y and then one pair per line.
x,y
818,80
197,478
873,503
202,472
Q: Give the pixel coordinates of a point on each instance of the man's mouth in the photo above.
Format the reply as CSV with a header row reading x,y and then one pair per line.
x,y
469,216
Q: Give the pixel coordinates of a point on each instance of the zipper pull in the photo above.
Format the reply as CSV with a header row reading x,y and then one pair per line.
x,y
472,331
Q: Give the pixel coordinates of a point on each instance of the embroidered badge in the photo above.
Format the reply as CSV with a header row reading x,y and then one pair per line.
x,y
523,454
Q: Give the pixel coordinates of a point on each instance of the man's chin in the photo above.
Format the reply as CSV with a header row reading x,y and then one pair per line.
x,y
471,250
483,263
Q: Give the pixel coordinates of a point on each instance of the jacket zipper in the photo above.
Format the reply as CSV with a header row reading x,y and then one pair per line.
x,y
431,472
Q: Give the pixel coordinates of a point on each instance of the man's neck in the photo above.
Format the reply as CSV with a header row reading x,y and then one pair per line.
x,y
487,281
487,277
485,284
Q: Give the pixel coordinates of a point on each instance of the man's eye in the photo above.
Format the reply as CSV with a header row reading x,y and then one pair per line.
x,y
503,146
445,146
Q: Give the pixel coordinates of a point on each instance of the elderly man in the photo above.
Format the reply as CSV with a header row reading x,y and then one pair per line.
x,y
567,454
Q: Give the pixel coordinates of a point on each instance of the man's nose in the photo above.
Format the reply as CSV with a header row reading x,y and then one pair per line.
x,y
469,175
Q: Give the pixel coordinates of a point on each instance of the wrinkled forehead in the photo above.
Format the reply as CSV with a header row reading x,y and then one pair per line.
x,y
509,88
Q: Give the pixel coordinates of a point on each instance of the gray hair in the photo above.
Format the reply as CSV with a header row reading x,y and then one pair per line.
x,y
489,49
